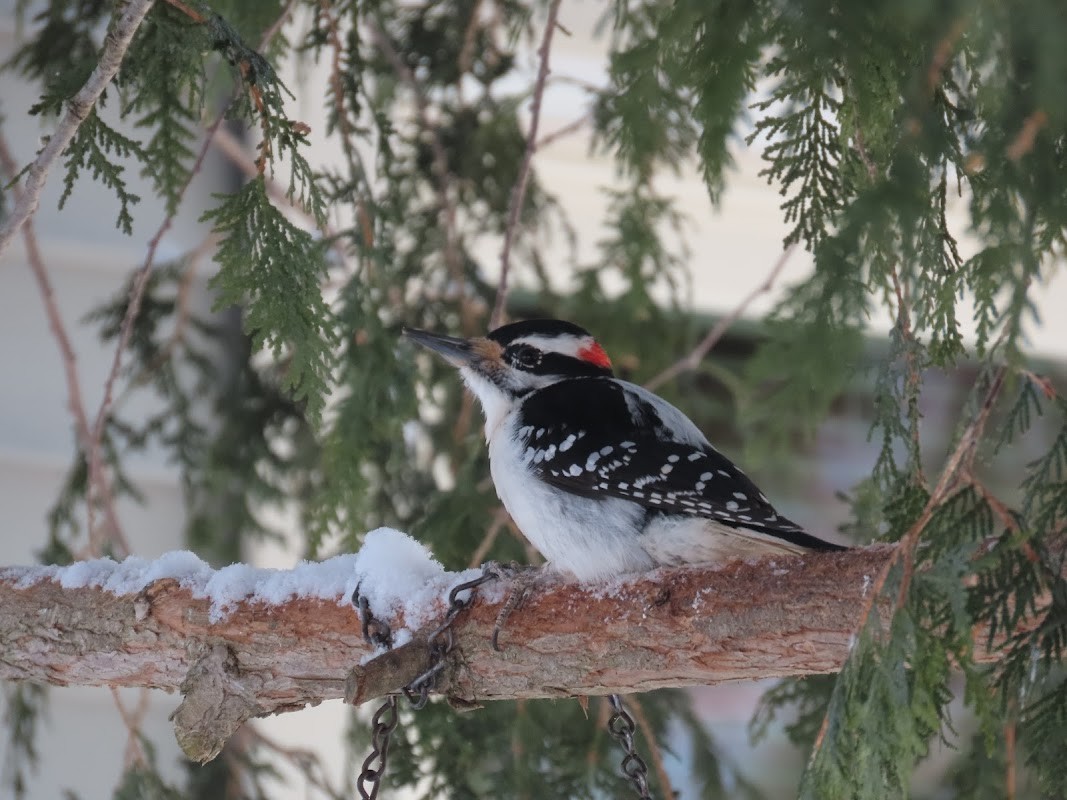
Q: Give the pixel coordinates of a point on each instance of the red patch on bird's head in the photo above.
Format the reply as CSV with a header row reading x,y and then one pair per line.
x,y
594,354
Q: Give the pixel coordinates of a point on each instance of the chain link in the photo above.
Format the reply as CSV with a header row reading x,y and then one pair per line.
x,y
621,727
440,643
383,723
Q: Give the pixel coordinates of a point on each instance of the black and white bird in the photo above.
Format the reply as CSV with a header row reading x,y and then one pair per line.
x,y
603,477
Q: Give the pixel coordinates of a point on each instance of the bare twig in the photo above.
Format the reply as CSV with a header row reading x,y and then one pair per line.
x,y
116,43
693,358
307,762
189,11
500,519
518,193
66,351
566,130
466,52
439,162
943,52
137,289
1009,760
132,720
1023,142
272,30
133,308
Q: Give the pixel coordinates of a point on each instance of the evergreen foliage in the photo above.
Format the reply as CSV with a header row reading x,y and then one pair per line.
x,y
876,120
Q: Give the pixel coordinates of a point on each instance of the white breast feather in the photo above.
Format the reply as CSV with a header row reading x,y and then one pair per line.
x,y
593,539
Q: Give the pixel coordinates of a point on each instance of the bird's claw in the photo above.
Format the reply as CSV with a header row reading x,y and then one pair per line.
x,y
523,576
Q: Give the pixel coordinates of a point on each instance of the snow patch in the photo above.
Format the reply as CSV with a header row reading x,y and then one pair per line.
x,y
393,571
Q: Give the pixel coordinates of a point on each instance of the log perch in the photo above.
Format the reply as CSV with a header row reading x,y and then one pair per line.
x,y
669,628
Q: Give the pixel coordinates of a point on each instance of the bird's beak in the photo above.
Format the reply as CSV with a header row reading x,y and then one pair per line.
x,y
457,352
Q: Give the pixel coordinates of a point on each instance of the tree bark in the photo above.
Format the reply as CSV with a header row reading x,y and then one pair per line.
x,y
669,628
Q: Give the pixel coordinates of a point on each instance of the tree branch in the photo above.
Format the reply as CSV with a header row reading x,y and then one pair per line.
x,y
669,628
518,192
692,359
116,43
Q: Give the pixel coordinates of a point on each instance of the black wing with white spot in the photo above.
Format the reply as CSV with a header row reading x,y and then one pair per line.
x,y
600,437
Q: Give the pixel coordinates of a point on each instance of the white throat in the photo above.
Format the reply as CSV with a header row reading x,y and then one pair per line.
x,y
496,404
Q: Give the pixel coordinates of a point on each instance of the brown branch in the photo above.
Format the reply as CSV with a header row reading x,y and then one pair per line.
x,y
518,192
132,720
696,355
672,627
943,52
116,43
439,161
1023,142
66,352
137,289
560,133
189,11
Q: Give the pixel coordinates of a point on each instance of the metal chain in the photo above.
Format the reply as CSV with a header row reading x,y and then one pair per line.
x,y
621,727
383,723
441,642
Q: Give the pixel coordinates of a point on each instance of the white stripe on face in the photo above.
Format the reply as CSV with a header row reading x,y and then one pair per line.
x,y
565,345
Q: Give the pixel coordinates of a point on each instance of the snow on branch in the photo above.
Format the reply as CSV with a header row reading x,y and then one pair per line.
x,y
241,642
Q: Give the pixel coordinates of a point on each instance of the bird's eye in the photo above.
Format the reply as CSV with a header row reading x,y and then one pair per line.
x,y
523,356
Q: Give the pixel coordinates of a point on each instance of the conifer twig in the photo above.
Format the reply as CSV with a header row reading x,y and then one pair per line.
x,y
518,192
138,287
500,519
75,403
913,381
958,464
116,43
230,146
439,160
692,359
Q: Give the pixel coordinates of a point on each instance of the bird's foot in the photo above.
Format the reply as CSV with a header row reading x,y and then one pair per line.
x,y
523,577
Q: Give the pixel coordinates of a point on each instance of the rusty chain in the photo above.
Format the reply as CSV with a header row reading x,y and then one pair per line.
x,y
440,642
621,727
383,723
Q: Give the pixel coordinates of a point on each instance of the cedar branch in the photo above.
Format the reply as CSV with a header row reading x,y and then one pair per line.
x,y
116,43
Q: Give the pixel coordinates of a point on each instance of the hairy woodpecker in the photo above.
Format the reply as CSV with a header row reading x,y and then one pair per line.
x,y
604,477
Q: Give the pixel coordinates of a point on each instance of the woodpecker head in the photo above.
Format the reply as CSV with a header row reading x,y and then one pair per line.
x,y
516,359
